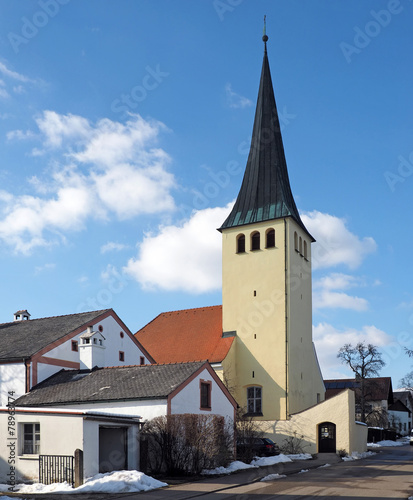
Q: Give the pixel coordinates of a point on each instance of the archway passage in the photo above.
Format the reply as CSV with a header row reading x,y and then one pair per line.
x,y
327,437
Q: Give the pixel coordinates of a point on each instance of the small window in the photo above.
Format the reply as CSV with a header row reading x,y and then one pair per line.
x,y
254,400
300,248
240,243
86,341
31,439
295,241
121,335
255,241
270,243
74,346
205,388
305,250
95,340
142,360
121,356
100,328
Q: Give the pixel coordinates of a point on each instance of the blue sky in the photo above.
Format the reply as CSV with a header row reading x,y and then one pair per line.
x,y
124,133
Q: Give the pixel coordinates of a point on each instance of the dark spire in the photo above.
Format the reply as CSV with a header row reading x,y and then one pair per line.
x,y
265,192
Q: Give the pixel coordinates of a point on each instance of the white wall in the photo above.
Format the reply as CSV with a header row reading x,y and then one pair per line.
x,y
113,343
12,378
188,399
144,409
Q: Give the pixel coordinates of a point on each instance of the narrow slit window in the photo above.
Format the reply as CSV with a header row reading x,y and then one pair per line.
x,y
300,249
305,250
295,241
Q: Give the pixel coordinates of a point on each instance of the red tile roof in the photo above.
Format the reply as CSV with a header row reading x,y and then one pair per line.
x,y
185,336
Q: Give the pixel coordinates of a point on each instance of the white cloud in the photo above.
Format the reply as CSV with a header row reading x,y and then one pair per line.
x,y
327,292
185,257
112,246
335,244
46,267
12,74
329,339
235,100
19,135
124,176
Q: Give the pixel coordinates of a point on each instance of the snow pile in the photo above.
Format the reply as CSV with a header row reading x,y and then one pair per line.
x,y
357,456
276,459
232,467
325,465
124,481
379,444
257,462
272,477
303,470
301,456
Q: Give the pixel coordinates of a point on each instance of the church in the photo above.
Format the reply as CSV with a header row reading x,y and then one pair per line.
x,y
260,340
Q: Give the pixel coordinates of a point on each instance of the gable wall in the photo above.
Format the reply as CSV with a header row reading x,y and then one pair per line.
x,y
188,399
53,360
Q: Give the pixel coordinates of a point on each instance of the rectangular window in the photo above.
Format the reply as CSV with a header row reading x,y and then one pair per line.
x,y
254,400
142,360
121,356
31,439
205,388
74,345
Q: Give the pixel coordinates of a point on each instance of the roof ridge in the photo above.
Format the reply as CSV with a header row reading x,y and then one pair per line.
x,y
192,309
151,364
100,311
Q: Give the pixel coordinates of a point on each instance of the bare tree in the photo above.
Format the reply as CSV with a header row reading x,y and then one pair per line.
x,y
407,381
366,362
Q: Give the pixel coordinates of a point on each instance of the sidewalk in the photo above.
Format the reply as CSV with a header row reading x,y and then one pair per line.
x,y
181,490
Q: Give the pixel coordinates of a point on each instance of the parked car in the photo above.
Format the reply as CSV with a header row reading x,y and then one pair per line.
x,y
261,447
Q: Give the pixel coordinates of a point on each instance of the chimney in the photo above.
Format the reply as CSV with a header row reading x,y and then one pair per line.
x,y
21,315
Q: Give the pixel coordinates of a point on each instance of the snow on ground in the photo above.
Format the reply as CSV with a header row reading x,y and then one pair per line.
x,y
386,443
325,465
303,470
232,467
258,462
271,477
124,481
357,456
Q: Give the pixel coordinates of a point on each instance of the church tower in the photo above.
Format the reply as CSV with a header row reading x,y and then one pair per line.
x,y
266,289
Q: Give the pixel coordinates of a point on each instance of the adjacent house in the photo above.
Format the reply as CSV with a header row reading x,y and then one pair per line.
x,y
378,394
99,410
33,349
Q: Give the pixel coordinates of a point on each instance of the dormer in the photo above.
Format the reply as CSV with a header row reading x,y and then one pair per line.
x,y
22,315
91,349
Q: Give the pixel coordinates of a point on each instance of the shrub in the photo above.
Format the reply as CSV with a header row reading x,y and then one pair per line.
x,y
185,444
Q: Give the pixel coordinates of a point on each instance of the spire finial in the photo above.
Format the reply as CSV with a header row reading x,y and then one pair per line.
x,y
265,37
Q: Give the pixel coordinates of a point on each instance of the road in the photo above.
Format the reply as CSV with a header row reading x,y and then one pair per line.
x,y
384,476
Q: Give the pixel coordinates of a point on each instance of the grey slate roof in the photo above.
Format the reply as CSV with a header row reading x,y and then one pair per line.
x,y
109,384
265,192
22,339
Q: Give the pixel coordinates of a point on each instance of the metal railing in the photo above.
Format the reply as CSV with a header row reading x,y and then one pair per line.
x,y
56,469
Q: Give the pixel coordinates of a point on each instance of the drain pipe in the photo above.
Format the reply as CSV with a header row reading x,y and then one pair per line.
x,y
286,298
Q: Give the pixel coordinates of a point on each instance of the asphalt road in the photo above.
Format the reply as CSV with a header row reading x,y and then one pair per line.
x,y
386,475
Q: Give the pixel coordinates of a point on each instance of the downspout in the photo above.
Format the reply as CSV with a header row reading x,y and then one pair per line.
x,y
286,318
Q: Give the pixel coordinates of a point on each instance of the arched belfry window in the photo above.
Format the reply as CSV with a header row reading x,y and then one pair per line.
x,y
300,248
270,236
255,241
305,250
240,243
295,241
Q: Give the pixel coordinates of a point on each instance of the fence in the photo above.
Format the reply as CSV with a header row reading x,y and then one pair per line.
x,y
56,469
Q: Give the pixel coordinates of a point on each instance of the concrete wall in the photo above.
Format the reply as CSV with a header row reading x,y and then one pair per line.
x,y
338,410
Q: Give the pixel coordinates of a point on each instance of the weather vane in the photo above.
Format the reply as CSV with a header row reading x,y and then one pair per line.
x,y
265,37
